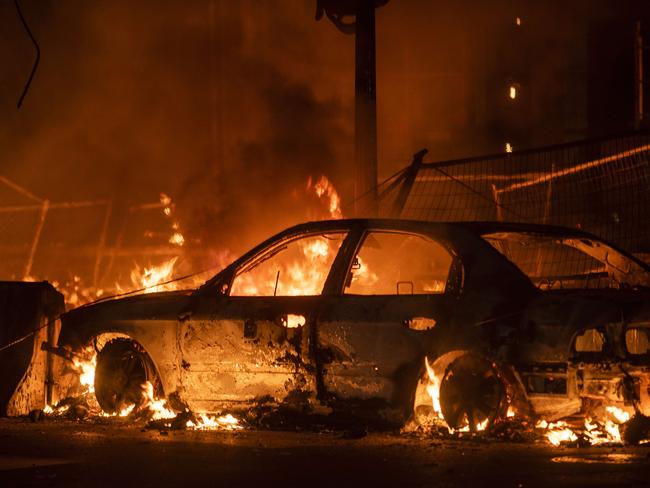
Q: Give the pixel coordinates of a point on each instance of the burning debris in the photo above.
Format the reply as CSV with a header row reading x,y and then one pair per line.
x,y
607,429
154,411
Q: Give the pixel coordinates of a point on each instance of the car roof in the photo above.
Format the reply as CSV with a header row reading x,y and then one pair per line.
x,y
482,227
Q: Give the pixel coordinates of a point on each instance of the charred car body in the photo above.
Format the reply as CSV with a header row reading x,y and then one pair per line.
x,y
550,321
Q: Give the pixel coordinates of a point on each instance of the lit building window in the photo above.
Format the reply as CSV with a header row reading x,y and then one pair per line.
x,y
508,147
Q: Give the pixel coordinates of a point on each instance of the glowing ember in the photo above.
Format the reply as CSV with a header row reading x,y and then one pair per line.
x,y
595,432
512,92
433,389
558,432
177,239
156,406
206,422
620,415
49,410
86,369
508,147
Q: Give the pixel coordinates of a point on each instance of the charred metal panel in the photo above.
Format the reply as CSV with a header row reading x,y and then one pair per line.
x,y
238,349
366,346
26,307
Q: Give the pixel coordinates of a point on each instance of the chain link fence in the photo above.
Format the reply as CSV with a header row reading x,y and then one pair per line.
x,y
600,185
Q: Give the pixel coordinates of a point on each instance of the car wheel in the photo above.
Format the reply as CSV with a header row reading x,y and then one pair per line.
x,y
471,393
123,367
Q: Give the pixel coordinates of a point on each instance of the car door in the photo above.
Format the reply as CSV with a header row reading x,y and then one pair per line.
x,y
252,344
372,337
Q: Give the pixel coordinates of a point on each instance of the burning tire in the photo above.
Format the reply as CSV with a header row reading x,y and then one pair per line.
x,y
471,393
123,367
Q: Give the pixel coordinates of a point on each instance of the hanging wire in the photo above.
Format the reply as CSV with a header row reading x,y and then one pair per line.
x,y
38,54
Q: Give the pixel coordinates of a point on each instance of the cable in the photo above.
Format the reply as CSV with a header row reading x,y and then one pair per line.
x,y
28,335
38,55
378,186
478,193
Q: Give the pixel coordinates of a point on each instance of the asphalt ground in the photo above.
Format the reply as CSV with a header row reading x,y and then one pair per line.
x,y
64,453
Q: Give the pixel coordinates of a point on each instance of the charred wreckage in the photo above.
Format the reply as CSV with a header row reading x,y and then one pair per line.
x,y
388,321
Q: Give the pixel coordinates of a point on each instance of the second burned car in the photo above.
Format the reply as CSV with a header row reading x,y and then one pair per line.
x,y
383,319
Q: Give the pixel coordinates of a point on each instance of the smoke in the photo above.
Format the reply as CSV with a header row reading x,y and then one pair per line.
x,y
229,107
222,105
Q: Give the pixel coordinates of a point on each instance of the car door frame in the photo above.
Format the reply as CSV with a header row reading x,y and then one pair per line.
x,y
335,298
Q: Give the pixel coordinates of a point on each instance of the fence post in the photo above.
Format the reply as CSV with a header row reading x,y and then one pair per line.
x,y
37,237
407,185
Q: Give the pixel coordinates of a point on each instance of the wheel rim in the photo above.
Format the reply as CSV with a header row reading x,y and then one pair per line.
x,y
471,393
121,371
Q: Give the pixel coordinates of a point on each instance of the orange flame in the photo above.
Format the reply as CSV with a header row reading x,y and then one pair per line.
x,y
153,278
324,189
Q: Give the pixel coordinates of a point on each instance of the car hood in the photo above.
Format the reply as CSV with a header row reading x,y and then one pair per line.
x,y
79,322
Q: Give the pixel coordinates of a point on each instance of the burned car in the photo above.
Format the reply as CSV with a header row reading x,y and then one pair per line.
x,y
391,320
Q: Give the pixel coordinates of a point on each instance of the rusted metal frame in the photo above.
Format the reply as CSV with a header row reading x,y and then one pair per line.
x,y
497,206
102,242
19,189
409,179
108,251
53,206
37,237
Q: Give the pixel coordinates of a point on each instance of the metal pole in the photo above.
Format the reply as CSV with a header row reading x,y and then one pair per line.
x,y
365,181
638,76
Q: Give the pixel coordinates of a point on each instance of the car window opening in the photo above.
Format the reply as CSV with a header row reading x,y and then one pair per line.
x,y
591,340
396,263
637,342
296,268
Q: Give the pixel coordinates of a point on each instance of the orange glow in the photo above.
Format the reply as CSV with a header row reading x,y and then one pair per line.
x,y
595,431
512,92
433,388
156,406
208,422
324,189
86,369
153,277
